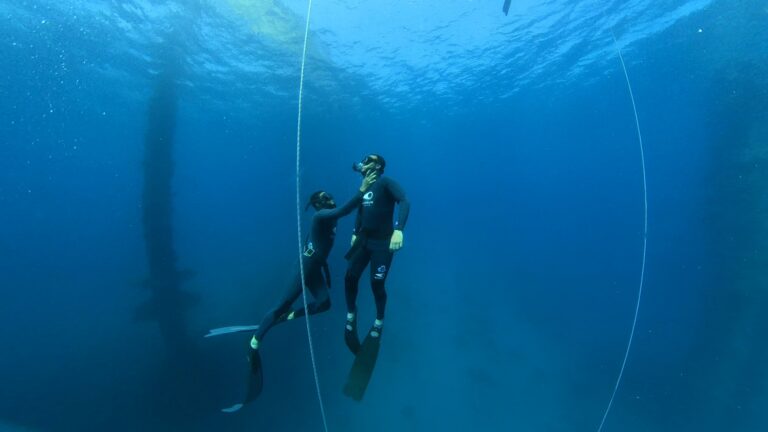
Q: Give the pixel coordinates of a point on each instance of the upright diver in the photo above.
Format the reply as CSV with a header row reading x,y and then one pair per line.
x,y
316,279
374,242
316,250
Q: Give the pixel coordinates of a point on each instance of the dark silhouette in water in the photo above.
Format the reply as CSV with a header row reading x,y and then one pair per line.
x,y
738,214
168,303
505,7
737,325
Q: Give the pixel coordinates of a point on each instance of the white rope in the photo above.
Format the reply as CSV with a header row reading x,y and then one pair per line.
x,y
298,221
645,239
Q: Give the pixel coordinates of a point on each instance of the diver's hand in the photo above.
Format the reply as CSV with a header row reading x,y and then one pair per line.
x,y
396,242
354,239
368,180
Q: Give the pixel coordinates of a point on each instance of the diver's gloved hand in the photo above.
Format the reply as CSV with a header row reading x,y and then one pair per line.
x,y
368,180
396,242
354,238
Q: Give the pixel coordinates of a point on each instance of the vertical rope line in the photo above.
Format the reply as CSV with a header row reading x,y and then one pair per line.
x,y
645,238
298,220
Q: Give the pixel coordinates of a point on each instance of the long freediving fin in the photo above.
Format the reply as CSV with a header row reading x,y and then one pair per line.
x,y
505,8
231,329
255,382
362,368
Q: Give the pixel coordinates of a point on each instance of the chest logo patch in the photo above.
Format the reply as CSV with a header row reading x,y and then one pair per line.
x,y
368,199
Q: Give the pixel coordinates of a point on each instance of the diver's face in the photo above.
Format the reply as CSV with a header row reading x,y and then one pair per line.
x,y
327,201
370,163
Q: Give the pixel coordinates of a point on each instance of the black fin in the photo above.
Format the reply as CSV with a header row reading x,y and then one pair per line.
x,y
255,383
505,8
362,368
255,379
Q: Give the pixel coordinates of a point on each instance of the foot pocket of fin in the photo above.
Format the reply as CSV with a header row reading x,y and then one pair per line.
x,y
350,336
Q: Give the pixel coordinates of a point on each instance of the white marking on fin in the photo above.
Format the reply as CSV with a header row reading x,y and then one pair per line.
x,y
233,408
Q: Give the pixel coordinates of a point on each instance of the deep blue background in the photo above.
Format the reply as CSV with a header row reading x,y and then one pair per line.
x,y
509,307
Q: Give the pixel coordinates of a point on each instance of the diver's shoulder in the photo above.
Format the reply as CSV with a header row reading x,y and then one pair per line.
x,y
321,215
387,180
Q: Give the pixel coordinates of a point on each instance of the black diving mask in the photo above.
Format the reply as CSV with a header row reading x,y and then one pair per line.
x,y
323,201
358,167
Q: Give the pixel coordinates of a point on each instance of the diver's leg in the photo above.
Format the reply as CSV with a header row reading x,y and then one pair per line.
x,y
381,260
317,287
321,304
357,264
355,269
275,315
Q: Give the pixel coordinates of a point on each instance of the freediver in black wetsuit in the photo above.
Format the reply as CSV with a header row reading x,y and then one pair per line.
x,y
374,242
316,250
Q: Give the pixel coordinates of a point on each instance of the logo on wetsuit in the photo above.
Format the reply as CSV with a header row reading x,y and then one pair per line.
x,y
380,272
368,199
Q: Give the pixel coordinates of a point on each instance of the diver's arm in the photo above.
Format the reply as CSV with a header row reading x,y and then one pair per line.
x,y
353,203
404,206
342,211
358,223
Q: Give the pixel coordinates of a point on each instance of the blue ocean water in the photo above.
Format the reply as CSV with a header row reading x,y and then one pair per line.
x,y
514,137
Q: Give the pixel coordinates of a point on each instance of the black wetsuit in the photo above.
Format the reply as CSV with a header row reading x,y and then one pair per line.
x,y
373,229
316,250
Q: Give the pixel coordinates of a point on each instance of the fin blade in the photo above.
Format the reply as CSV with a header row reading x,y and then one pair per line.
x,y
255,383
234,408
231,329
255,379
362,368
